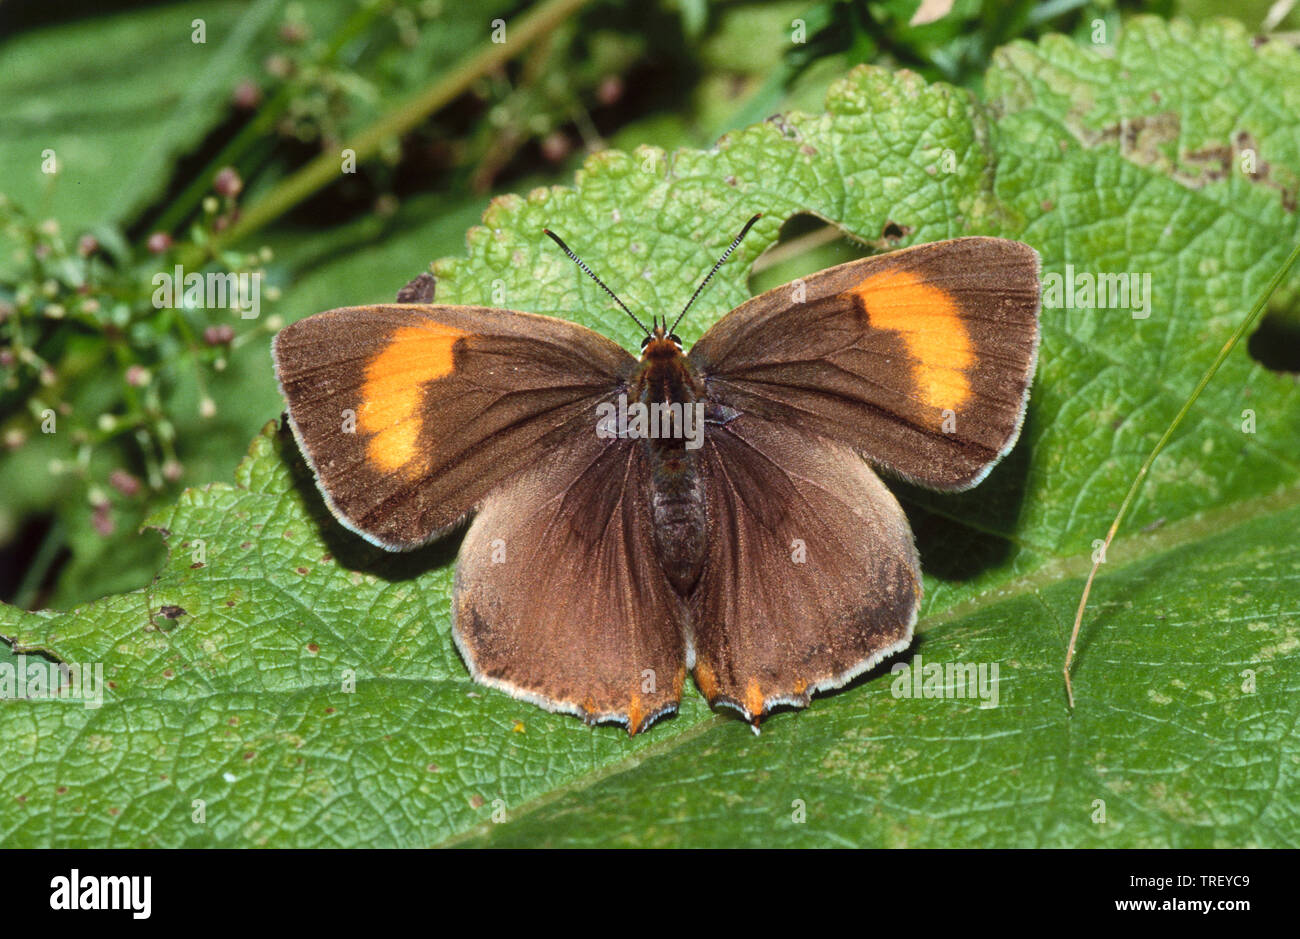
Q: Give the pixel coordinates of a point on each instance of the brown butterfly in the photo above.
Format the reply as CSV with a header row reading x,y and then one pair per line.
x,y
747,542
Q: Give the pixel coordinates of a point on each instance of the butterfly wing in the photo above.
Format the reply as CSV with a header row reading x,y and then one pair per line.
x,y
411,414
560,598
920,359
811,576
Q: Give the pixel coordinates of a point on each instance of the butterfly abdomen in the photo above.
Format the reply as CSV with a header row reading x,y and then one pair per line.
x,y
677,505
666,383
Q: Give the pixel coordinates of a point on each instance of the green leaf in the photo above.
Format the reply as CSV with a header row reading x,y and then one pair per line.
x,y
1190,660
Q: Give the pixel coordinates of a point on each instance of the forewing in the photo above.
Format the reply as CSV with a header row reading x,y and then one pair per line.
x,y
920,359
411,414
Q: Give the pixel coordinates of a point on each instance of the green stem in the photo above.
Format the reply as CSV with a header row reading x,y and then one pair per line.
x,y
1236,337
260,125
321,171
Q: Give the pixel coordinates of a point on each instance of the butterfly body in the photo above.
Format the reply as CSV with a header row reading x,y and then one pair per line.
x,y
752,545
667,386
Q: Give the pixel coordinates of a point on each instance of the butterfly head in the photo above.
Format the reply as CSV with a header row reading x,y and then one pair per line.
x,y
660,343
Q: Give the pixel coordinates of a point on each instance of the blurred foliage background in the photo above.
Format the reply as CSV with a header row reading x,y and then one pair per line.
x,y
213,134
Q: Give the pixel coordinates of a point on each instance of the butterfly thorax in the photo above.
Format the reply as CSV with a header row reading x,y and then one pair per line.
x,y
666,383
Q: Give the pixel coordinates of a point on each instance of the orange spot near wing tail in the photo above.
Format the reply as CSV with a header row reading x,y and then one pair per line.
x,y
634,715
754,699
706,681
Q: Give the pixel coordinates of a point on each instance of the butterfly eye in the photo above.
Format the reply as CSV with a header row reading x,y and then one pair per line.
x,y
646,341
673,338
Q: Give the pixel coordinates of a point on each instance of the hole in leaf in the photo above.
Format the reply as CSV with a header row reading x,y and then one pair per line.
x,y
30,563
1275,343
807,245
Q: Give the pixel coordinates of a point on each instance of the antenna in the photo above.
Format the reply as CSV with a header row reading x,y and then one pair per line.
x,y
721,261
586,270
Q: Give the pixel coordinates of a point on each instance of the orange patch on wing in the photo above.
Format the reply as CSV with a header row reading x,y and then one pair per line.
x,y
393,389
679,681
931,326
753,698
706,680
634,715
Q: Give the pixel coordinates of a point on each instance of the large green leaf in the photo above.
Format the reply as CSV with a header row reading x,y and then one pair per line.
x,y
1184,730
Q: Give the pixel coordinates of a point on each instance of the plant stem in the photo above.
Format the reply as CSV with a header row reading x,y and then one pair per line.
x,y
323,169
261,125
1228,346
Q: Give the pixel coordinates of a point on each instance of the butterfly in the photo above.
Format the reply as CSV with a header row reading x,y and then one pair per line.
x,y
749,544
